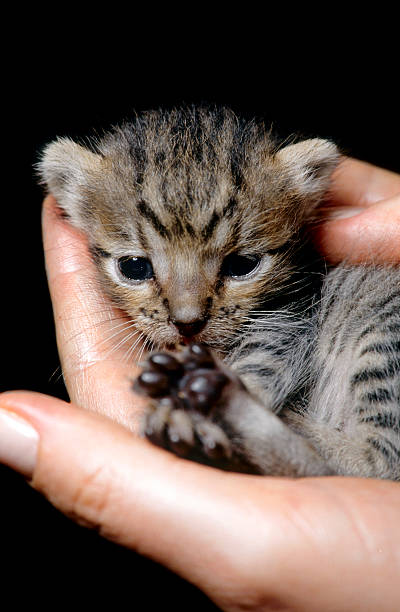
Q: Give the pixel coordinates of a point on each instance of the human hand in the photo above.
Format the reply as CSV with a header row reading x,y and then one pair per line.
x,y
264,543
365,211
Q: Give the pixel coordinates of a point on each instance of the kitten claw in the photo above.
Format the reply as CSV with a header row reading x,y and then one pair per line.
x,y
180,433
155,422
214,441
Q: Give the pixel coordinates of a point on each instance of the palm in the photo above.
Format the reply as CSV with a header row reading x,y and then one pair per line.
x,y
98,345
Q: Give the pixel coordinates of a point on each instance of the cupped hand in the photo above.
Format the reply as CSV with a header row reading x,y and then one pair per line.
x,y
248,542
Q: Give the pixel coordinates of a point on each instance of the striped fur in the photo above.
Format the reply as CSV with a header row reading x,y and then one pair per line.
x,y
335,377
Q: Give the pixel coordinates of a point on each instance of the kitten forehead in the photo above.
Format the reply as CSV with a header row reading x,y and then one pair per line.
x,y
181,175
203,231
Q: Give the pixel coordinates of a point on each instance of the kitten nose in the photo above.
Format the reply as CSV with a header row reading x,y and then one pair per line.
x,y
190,329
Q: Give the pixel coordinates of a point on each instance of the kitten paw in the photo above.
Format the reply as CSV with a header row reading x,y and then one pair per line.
x,y
185,394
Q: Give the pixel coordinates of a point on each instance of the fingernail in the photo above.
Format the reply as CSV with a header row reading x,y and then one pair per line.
x,y
19,443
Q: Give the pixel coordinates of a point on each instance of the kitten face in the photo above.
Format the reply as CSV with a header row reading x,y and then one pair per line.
x,y
190,216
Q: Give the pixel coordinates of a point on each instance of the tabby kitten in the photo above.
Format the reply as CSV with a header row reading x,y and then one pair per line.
x,y
197,222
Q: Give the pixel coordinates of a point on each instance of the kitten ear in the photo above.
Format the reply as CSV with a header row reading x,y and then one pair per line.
x,y
68,169
309,165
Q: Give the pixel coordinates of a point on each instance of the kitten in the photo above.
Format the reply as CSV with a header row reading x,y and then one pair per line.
x,y
198,222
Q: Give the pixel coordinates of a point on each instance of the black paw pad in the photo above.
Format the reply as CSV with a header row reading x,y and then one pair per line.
x,y
152,383
193,382
166,363
202,388
198,356
162,371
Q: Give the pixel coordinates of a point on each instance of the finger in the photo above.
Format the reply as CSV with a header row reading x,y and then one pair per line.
x,y
248,542
359,184
93,336
371,236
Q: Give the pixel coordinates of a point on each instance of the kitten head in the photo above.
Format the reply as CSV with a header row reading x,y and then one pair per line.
x,y
192,216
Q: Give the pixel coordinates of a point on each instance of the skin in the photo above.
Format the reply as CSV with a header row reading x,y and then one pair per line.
x,y
250,543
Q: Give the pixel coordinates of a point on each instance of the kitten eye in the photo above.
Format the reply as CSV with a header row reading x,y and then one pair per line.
x,y
135,268
236,265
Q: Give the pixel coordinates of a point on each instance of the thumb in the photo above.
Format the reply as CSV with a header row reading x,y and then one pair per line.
x,y
102,476
370,236
84,463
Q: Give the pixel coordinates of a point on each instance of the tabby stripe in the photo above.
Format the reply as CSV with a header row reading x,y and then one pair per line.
x,y
326,309
381,348
216,217
380,395
393,448
252,346
265,348
230,207
344,316
386,315
236,171
386,301
151,216
218,286
392,367
139,154
178,228
208,230
142,238
377,444
98,252
392,328
386,420
367,330
190,230
355,292
353,287
254,368
264,372
331,301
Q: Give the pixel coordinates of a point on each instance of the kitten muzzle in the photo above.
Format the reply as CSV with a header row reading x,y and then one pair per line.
x,y
191,329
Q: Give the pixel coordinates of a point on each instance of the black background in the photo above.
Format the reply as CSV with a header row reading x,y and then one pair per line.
x,y
353,103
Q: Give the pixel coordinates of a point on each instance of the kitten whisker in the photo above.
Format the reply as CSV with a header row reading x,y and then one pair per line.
x,y
131,349
125,339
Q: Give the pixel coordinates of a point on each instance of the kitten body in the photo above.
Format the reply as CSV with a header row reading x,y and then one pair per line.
x,y
198,224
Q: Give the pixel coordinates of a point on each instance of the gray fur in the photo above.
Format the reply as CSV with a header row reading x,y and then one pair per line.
x,y
317,349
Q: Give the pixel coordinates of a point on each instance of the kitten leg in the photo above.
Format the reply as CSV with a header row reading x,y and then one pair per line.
x,y
177,418
265,440
200,409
